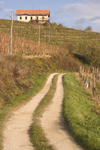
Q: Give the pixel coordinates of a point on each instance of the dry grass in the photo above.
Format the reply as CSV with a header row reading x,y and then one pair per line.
x,y
25,47
17,74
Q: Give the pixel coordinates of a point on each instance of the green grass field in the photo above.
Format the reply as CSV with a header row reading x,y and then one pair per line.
x,y
80,114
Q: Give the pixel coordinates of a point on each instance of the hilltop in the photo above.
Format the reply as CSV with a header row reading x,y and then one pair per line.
x,y
38,50
30,39
62,46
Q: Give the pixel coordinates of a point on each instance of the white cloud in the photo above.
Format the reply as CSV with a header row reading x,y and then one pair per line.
x,y
92,1
1,2
96,29
0,9
7,10
67,19
81,10
82,14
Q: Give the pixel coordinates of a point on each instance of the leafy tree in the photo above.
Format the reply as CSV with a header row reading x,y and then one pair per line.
x,y
70,48
60,25
89,28
54,25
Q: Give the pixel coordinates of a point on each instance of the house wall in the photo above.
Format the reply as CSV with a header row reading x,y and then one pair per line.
x,y
27,18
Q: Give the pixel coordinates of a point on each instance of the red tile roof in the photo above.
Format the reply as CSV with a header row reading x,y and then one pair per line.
x,y
33,12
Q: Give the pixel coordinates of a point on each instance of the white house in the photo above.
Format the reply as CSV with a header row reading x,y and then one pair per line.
x,y
40,16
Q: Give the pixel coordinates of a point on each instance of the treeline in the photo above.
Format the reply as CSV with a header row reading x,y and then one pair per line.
x,y
89,54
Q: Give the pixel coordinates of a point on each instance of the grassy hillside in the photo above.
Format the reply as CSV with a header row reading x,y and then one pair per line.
x,y
22,77
81,114
58,34
53,39
18,74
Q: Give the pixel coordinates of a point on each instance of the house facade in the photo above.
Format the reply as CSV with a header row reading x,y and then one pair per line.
x,y
40,16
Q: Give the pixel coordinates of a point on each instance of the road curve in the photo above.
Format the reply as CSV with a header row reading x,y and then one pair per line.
x,y
16,135
53,122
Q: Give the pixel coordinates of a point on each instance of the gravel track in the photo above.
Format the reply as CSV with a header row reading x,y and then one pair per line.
x,y
16,135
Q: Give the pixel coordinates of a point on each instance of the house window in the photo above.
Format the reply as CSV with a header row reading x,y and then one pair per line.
x,y
25,18
20,18
43,17
37,18
31,18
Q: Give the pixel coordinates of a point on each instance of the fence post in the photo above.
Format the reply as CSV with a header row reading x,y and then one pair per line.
x,y
97,74
94,82
93,72
80,74
11,35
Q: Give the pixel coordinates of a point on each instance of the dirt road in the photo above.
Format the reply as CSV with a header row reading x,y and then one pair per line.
x,y
54,125
16,135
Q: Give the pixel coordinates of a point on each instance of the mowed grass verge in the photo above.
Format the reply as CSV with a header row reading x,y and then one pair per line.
x,y
82,120
5,111
36,132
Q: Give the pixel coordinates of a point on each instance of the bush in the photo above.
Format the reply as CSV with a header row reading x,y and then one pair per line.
x,y
89,28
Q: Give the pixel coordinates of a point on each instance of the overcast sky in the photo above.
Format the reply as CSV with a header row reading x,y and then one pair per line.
x,y
76,14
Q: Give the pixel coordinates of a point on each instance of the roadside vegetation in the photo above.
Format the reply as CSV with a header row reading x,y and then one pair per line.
x,y
18,74
24,73
80,113
37,134
5,110
21,78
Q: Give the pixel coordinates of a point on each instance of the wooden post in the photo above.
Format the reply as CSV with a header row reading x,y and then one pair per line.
x,y
93,72
97,74
11,35
45,38
49,31
94,89
39,35
87,79
80,71
89,71
97,70
94,82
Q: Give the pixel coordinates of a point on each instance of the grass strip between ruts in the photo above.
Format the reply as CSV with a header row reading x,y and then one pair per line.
x,y
82,120
36,132
5,110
